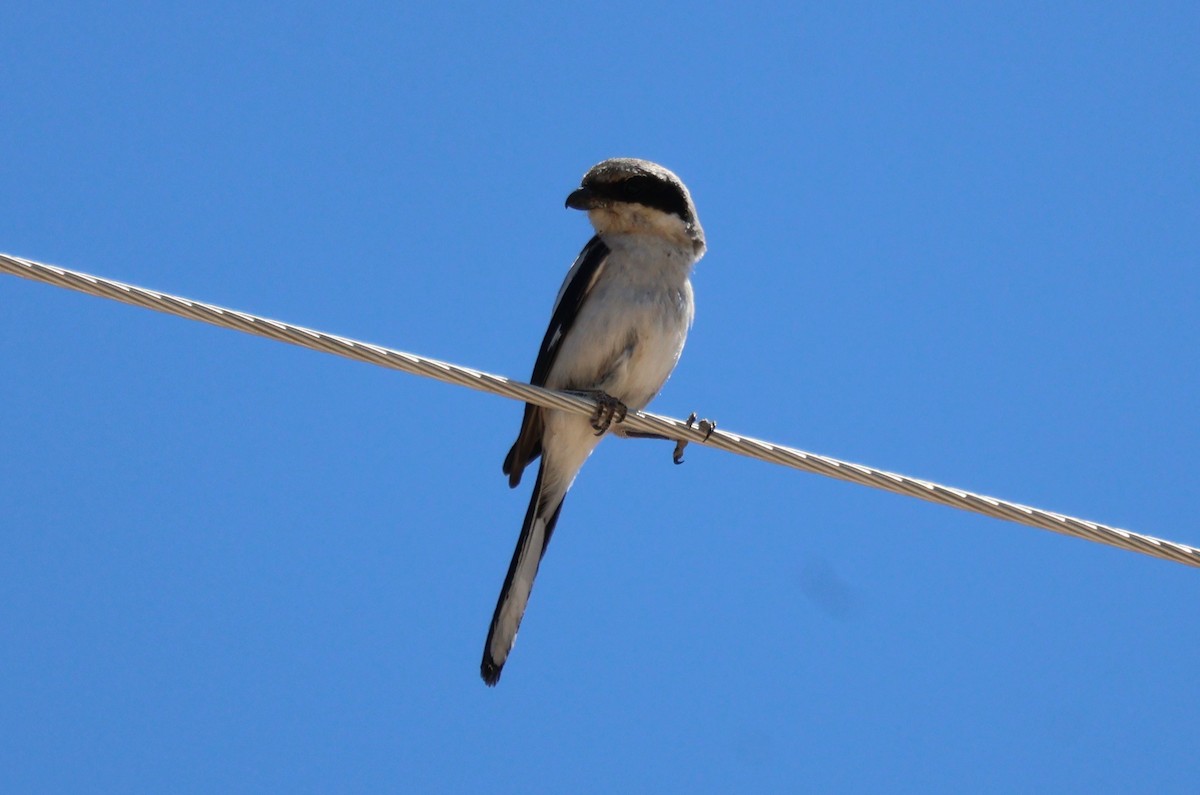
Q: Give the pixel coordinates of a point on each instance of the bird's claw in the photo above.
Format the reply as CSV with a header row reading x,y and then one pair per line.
x,y
708,426
608,411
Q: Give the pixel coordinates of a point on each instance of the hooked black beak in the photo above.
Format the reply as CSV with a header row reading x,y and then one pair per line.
x,y
581,199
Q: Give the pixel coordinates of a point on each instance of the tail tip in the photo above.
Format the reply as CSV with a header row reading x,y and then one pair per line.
x,y
490,671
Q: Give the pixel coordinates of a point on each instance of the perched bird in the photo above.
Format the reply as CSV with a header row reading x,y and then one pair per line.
x,y
616,332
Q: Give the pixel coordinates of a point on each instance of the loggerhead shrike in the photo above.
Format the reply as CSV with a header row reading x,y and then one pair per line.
x,y
616,332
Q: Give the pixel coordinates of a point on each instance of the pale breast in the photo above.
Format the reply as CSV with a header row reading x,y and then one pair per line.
x,y
632,327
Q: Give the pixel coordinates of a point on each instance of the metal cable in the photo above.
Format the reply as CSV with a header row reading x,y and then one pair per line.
x,y
635,420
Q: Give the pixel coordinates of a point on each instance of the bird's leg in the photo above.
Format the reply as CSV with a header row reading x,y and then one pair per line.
x,y
708,426
608,411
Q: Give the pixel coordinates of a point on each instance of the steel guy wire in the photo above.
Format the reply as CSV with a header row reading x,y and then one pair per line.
x,y
635,420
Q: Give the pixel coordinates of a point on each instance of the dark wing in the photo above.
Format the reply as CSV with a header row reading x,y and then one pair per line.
x,y
571,295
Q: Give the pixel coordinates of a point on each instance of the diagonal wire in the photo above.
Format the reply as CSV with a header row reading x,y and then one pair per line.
x,y
635,420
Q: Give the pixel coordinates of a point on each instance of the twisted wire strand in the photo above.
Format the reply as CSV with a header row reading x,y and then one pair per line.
x,y
644,422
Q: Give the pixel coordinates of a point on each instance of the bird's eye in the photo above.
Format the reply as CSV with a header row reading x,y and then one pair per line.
x,y
634,189
654,193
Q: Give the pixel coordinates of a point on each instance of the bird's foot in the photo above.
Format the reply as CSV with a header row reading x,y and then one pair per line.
x,y
707,426
608,411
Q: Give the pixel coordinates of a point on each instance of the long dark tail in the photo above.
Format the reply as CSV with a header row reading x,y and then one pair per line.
x,y
540,519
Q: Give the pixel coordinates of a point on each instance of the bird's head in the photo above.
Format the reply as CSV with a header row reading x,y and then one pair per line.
x,y
630,196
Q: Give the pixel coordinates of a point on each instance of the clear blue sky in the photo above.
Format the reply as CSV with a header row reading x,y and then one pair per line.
x,y
959,243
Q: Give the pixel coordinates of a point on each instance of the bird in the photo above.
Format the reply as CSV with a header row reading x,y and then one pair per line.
x,y
616,332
